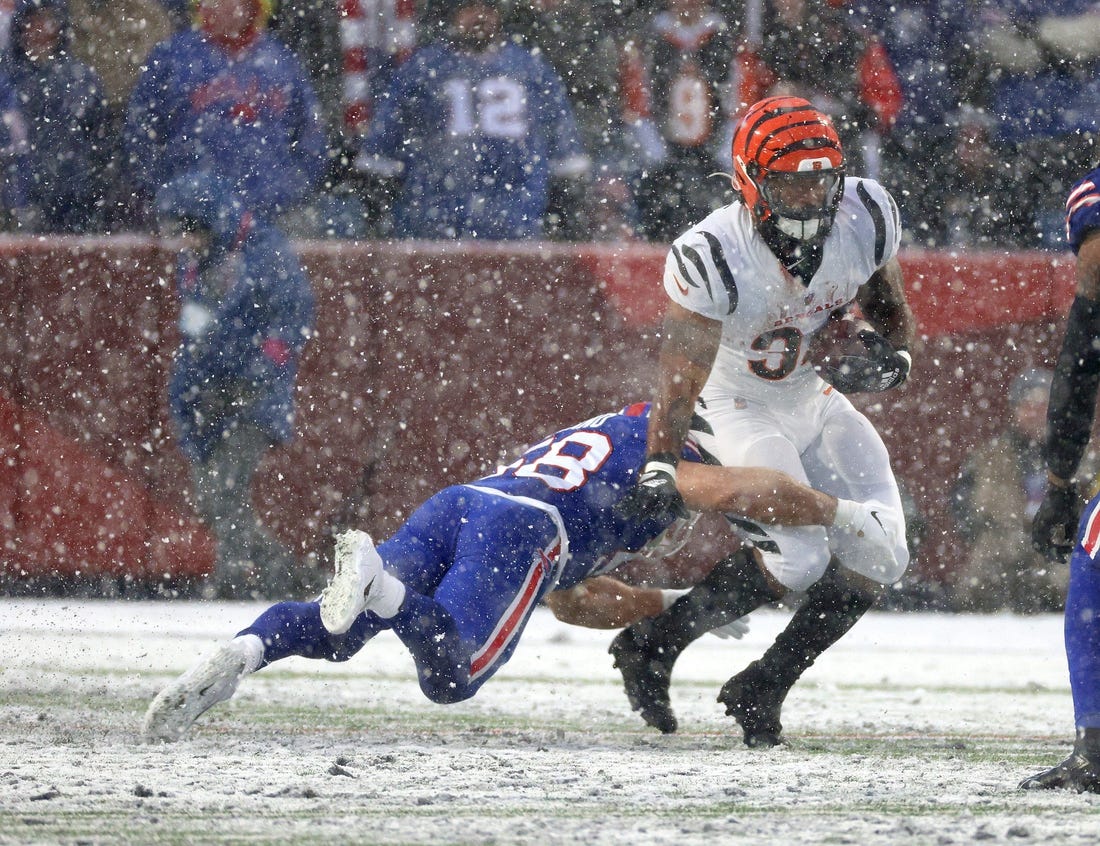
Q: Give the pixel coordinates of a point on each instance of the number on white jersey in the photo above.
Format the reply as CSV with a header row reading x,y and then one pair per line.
x,y
689,107
782,348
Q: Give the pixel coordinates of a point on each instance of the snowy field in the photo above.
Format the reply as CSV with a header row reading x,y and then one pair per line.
x,y
915,729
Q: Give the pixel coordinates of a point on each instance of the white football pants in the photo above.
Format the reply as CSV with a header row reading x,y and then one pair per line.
x,y
824,441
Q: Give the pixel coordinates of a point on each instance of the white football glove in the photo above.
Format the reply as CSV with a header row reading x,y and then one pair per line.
x,y
733,630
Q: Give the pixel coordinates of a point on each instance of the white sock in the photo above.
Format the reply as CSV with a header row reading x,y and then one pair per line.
x,y
253,649
669,596
386,595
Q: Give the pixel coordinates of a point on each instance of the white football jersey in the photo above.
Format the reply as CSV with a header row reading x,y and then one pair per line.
x,y
721,268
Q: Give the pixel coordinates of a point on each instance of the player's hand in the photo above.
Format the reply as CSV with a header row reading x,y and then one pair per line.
x,y
1054,529
733,630
654,496
881,369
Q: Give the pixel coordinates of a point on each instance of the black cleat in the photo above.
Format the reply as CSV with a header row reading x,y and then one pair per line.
x,y
1080,772
646,679
755,700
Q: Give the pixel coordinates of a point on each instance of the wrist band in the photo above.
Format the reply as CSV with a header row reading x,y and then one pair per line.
x,y
653,466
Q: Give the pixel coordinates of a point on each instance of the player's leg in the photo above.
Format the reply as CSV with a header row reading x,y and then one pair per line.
x,y
497,559
415,556
783,558
283,630
755,696
505,561
1081,770
849,460
646,651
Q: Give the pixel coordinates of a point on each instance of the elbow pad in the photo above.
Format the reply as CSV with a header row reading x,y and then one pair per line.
x,y
1073,392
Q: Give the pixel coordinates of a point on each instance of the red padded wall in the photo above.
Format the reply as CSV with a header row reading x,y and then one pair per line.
x,y
432,362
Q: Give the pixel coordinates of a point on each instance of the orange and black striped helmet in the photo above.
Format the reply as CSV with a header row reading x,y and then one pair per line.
x,y
787,139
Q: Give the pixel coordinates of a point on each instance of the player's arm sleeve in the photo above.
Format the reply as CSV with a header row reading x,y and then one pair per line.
x,y
882,297
698,276
1077,371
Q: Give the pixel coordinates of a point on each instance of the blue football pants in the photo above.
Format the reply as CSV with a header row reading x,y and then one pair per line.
x,y
474,566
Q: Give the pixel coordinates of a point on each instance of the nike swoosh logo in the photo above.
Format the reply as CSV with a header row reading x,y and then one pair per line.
x,y
683,288
370,584
875,515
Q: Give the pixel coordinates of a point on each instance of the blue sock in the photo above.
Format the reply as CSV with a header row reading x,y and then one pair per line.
x,y
1083,638
295,628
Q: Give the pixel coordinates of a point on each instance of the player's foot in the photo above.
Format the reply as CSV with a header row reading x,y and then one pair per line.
x,y
1080,771
646,678
198,690
755,701
356,582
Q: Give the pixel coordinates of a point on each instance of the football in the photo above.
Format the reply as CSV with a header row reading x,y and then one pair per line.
x,y
839,337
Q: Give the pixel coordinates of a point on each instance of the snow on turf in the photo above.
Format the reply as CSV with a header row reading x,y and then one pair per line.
x,y
916,728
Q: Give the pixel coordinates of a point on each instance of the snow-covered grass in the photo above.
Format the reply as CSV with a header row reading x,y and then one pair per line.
x,y
914,729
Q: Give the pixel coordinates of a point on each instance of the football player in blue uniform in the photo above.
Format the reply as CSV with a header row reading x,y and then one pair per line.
x,y
458,581
1069,424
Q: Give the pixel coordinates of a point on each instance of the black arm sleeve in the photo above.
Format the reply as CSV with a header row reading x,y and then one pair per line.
x,y
1073,392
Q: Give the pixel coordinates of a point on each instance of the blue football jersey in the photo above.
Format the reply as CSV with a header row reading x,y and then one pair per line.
x,y
477,137
583,471
1083,209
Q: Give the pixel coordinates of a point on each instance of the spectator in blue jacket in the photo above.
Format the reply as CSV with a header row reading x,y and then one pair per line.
x,y
246,311
475,127
226,96
62,102
1043,60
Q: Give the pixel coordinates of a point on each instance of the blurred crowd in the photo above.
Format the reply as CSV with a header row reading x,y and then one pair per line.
x,y
594,120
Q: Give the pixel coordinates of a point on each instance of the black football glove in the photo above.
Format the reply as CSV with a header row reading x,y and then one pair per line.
x,y
1054,529
655,496
881,369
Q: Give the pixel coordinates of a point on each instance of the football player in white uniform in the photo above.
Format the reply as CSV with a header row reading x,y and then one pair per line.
x,y
748,288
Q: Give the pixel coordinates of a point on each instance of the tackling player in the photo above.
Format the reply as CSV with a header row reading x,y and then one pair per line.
x,y
1069,424
748,288
458,581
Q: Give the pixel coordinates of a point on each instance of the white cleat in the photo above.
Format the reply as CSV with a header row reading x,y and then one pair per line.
x,y
358,580
194,693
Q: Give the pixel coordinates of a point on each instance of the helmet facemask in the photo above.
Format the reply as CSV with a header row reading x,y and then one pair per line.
x,y
803,204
